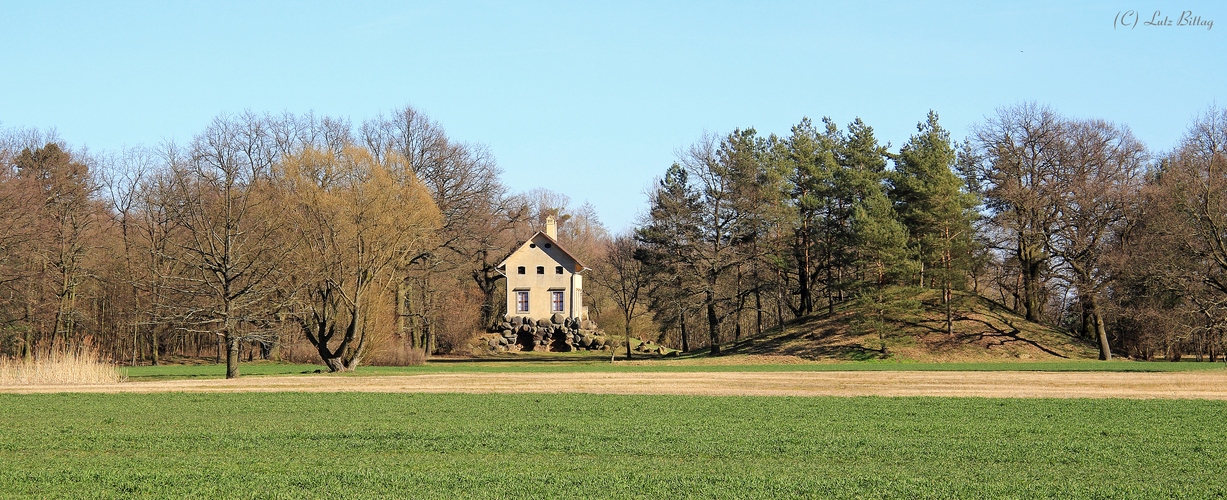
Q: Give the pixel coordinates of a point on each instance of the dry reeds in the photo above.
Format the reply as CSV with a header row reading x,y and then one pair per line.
x,y
58,366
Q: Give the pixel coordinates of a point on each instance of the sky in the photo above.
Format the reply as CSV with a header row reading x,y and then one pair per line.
x,y
593,99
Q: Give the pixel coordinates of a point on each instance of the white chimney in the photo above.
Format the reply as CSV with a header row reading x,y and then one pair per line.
x,y
551,227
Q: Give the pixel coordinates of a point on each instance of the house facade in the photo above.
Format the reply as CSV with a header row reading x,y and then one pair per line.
x,y
543,279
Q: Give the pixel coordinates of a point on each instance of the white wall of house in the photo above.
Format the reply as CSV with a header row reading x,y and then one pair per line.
x,y
540,268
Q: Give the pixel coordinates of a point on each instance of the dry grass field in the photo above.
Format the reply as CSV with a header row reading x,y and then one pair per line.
x,y
1209,384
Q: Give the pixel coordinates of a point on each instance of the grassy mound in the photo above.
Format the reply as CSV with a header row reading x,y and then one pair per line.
x,y
909,324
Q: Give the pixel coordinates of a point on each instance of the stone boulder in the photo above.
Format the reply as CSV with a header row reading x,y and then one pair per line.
x,y
558,318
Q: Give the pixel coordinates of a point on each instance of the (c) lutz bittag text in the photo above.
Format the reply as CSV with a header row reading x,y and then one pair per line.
x,y
1132,19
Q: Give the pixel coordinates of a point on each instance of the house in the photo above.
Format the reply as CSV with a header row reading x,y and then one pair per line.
x,y
543,279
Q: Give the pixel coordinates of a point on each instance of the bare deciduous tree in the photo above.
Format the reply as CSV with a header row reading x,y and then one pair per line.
x,y
236,237
1095,186
622,274
1021,148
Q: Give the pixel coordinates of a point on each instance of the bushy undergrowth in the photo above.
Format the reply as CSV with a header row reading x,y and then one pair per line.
x,y
58,366
399,354
355,445
395,353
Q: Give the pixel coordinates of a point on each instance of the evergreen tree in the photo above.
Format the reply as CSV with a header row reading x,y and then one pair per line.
x,y
870,238
881,242
936,209
809,166
669,234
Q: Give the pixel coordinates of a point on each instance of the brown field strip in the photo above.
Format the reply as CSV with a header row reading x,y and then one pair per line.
x,y
1002,384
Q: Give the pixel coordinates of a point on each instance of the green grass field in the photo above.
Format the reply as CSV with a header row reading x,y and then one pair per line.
x,y
296,445
586,363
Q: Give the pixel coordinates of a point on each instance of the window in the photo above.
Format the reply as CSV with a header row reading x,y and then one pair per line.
x,y
557,269
520,270
522,302
547,245
556,302
540,269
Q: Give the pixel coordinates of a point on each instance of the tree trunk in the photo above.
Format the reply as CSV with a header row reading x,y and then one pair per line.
x,y
334,364
628,339
153,346
1031,261
947,293
685,337
779,300
135,343
713,323
402,312
1105,350
803,265
946,296
232,355
758,311
1092,325
741,300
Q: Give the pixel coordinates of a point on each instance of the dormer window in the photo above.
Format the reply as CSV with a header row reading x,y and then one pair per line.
x,y
520,270
540,269
557,269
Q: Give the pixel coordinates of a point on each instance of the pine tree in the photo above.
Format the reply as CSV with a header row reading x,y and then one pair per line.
x,y
881,242
669,235
935,207
809,167
871,238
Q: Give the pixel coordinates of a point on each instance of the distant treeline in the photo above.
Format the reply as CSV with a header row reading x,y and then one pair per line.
x,y
297,237
310,238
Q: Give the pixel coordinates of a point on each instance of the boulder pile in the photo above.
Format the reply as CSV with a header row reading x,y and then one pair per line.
x,y
645,347
559,333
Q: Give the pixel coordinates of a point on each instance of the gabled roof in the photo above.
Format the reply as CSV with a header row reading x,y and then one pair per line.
x,y
579,266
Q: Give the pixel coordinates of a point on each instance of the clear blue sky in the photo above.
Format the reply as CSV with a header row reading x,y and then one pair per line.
x,y
592,99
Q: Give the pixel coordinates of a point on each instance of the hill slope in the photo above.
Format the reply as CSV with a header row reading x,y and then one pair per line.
x,y
909,324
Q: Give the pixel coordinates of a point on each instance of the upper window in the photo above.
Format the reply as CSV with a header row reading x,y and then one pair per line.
x,y
557,269
540,269
520,270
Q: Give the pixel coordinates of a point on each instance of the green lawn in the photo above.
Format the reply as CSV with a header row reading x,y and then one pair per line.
x,y
298,445
585,363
